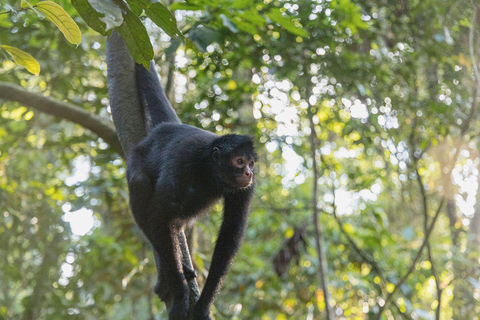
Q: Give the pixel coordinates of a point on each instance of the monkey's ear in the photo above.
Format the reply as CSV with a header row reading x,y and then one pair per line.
x,y
216,154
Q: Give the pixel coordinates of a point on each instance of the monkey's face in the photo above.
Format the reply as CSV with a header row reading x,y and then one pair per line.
x,y
243,170
236,170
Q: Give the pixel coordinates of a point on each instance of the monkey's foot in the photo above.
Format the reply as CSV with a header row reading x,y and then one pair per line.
x,y
188,272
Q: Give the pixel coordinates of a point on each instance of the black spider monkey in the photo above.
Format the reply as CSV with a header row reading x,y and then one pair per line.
x,y
175,174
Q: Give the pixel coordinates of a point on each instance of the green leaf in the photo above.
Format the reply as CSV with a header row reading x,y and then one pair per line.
x,y
163,18
247,27
62,20
137,6
142,3
239,4
24,59
5,21
185,6
348,14
253,17
286,22
136,38
25,4
112,14
90,16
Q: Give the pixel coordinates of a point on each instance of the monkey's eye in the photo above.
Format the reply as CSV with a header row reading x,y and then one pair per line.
x,y
239,161
252,163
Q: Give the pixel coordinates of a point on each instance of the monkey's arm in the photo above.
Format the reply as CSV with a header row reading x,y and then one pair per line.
x,y
230,237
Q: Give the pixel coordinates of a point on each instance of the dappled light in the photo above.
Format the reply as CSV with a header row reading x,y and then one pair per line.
x,y
365,118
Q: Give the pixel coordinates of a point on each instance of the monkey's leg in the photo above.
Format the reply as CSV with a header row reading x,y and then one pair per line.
x,y
165,241
140,186
162,232
161,286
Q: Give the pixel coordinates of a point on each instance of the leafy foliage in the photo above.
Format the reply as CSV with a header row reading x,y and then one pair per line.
x,y
393,95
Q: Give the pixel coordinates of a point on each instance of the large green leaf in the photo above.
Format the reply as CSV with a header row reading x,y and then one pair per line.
x,y
136,37
91,16
62,20
112,14
24,59
163,18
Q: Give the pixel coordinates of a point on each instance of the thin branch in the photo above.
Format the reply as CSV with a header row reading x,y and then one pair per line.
x,y
17,11
471,114
61,109
471,43
414,262
169,87
429,249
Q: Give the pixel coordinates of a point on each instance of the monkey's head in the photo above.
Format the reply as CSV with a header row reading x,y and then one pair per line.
x,y
234,158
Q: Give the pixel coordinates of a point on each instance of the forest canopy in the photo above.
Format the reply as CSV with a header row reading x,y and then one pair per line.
x,y
364,116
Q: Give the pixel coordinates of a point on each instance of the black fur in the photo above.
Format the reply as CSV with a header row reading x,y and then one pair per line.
x,y
175,174
152,96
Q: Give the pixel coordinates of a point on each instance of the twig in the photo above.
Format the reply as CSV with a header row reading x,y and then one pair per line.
x,y
19,10
471,114
470,43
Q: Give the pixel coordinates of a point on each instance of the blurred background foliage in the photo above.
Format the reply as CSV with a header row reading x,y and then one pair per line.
x,y
390,89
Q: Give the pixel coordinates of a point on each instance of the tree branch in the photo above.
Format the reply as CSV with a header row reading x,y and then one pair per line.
x,y
61,109
471,44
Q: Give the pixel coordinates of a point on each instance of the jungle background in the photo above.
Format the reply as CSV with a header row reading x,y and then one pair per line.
x,y
365,117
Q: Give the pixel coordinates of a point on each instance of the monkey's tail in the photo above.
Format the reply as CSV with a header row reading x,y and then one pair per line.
x,y
152,96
